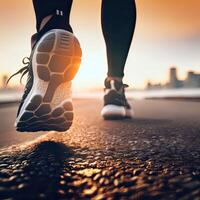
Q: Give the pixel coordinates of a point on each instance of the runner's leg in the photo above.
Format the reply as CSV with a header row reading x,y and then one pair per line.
x,y
52,14
118,24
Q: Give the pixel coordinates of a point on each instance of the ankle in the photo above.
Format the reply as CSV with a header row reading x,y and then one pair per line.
x,y
115,78
112,82
53,22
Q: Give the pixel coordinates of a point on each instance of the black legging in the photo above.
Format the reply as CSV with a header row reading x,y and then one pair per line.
x,y
118,24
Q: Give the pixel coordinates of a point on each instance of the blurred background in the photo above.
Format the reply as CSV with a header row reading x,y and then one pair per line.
x,y
164,59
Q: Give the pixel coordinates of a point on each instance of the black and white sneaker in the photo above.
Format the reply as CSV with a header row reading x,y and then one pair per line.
x,y
46,104
116,105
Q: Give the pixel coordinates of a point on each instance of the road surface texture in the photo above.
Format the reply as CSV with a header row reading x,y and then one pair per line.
x,y
156,155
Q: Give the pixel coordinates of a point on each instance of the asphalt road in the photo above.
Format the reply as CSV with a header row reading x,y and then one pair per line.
x,y
156,155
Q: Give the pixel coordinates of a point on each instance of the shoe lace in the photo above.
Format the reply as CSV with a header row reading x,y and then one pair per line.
x,y
125,85
122,89
24,70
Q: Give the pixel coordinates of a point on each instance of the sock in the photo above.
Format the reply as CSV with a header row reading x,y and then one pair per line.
x,y
119,79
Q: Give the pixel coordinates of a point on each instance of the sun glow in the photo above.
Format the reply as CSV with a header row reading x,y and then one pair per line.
x,y
167,33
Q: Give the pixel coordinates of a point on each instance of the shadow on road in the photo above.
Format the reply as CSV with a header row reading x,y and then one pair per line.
x,y
35,172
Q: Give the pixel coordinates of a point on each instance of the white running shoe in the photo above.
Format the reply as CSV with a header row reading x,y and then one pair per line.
x,y
116,105
46,104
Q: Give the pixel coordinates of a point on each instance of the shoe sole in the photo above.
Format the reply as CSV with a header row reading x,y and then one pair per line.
x,y
111,112
48,106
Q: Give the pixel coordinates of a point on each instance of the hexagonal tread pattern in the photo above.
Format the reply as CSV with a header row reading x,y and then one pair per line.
x,y
61,65
39,116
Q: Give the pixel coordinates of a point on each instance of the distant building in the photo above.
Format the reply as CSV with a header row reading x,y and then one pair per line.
x,y
173,81
153,86
192,81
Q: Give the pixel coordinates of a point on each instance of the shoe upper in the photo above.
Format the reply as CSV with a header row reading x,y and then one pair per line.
x,y
29,84
115,93
27,69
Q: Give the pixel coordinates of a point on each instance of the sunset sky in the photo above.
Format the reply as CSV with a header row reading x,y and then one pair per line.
x,y
167,33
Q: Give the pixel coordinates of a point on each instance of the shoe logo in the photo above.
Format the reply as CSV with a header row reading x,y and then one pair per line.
x,y
59,12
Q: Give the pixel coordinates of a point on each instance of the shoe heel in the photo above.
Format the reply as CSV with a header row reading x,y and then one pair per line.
x,y
58,60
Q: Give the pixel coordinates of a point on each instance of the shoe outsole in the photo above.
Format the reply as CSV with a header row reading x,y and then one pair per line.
x,y
56,60
114,112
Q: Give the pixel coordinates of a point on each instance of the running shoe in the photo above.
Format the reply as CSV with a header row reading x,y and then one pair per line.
x,y
47,104
116,105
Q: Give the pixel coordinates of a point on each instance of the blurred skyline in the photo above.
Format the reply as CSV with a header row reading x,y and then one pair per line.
x,y
167,34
